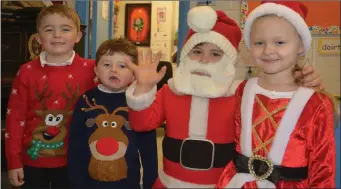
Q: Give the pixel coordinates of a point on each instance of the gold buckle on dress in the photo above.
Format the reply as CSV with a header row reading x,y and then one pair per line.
x,y
260,158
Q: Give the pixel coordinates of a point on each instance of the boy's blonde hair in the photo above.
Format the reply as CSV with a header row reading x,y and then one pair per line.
x,y
117,45
61,10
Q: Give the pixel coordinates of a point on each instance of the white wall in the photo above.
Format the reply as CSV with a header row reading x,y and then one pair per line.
x,y
328,66
102,23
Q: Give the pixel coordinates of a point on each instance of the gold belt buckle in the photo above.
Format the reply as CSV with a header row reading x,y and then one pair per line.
x,y
260,158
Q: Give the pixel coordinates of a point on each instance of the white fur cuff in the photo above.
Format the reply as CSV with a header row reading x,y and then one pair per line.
x,y
140,102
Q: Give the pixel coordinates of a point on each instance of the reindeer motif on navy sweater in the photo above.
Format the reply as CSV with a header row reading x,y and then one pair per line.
x,y
108,144
49,135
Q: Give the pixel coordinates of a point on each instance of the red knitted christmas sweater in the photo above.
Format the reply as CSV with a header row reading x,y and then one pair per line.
x,y
39,111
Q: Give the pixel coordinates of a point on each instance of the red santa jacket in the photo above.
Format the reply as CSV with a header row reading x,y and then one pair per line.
x,y
187,118
41,101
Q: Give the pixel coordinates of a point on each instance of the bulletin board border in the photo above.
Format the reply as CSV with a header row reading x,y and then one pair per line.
x,y
314,30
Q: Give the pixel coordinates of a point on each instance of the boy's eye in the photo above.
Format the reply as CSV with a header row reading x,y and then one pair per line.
x,y
122,66
280,42
48,30
216,54
106,65
196,52
66,29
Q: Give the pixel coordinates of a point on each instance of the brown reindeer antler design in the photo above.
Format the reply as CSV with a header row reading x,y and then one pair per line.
x,y
74,95
94,106
41,96
120,109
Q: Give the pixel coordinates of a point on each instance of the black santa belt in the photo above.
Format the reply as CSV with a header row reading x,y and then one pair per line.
x,y
261,169
198,154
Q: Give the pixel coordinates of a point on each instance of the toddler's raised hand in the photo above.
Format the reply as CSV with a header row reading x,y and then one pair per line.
x,y
146,72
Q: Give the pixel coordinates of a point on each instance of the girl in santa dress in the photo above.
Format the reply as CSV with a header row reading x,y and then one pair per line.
x,y
284,131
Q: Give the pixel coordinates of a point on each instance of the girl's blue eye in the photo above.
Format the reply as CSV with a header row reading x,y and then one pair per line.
x,y
280,42
122,66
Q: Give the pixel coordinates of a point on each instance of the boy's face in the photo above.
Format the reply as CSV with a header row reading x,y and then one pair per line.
x,y
58,34
113,72
206,53
275,45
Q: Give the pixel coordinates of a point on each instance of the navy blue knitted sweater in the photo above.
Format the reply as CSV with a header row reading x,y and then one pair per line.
x,y
103,151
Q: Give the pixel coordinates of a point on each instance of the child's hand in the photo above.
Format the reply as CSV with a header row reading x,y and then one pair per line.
x,y
16,176
146,72
310,78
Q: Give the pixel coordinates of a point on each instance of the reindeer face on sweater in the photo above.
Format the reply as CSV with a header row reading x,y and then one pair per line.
x,y
108,142
48,137
52,126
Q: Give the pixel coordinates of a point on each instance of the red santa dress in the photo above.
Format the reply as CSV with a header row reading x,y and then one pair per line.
x,y
292,130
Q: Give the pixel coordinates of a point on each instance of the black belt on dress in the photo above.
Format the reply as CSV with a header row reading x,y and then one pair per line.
x,y
198,154
263,169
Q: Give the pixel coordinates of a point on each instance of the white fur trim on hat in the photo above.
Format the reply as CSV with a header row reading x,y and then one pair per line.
x,y
141,102
202,19
282,11
211,37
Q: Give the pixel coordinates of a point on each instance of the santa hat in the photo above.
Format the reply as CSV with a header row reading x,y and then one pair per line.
x,y
293,12
208,25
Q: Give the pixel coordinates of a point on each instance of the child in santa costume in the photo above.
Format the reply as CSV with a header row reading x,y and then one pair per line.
x,y
284,133
196,104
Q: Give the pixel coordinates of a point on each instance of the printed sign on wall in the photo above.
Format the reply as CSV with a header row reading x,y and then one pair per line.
x,y
329,46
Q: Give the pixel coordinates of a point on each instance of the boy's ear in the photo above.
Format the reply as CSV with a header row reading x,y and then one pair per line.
x,y
38,39
96,71
79,36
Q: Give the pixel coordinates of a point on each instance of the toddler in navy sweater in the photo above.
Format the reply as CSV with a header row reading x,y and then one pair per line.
x,y
103,150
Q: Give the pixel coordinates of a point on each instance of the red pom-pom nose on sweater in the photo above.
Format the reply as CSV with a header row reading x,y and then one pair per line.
x,y
53,131
107,146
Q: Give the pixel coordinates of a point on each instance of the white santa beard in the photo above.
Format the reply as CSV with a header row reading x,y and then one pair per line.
x,y
222,74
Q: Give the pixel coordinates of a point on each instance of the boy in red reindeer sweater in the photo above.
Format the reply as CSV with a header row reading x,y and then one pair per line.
x,y
41,102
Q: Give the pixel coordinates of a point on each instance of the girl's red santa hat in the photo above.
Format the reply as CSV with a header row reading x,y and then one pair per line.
x,y
208,25
294,12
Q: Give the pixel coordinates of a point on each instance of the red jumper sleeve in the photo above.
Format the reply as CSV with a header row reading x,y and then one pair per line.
x,y
15,120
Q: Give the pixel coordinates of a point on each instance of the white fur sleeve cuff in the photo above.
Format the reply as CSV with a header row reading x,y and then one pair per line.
x,y
142,101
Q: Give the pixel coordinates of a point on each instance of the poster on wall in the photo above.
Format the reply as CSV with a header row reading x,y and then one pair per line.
x,y
323,17
161,14
138,23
